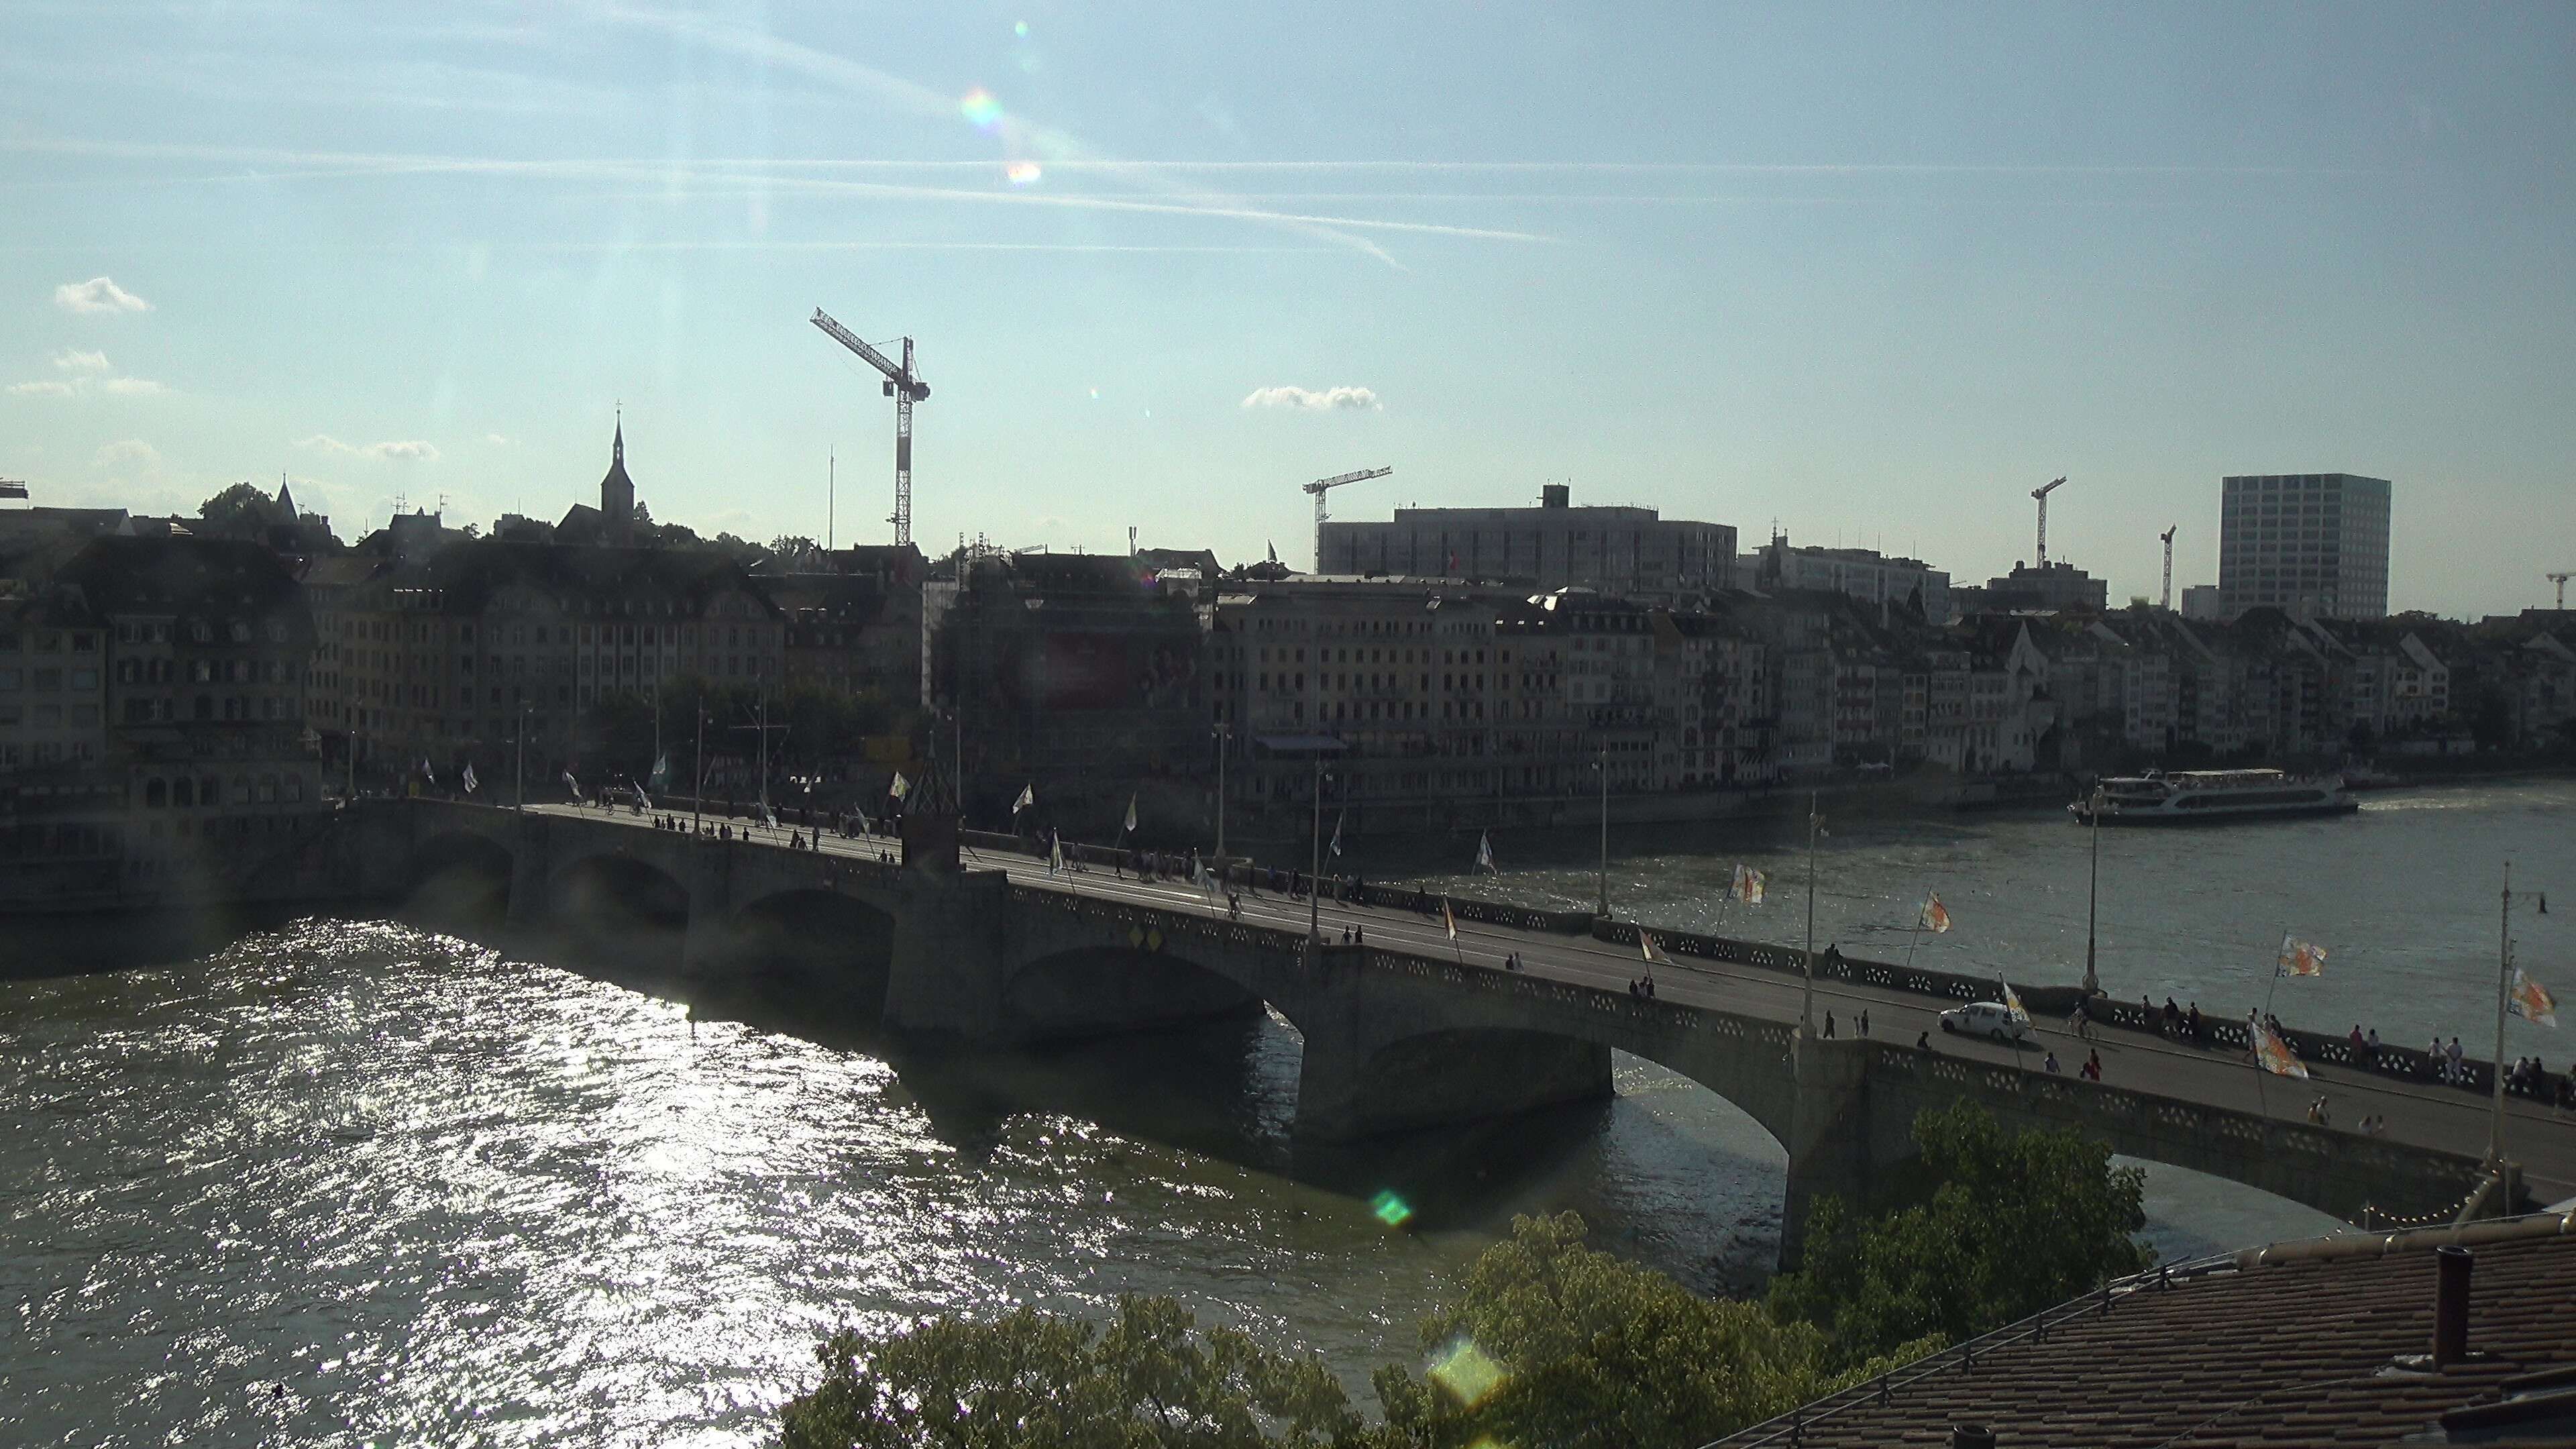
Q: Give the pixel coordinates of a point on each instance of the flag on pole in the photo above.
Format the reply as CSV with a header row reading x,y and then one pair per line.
x,y
768,816
2012,1003
1934,917
1055,855
1646,944
2301,958
571,784
901,786
426,773
1028,797
1336,846
661,776
470,785
1448,918
1485,853
2531,1001
2274,1054
1131,812
1748,885
643,801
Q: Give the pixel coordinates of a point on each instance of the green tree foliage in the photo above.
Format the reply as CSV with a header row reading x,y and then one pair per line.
x,y
1152,1378
2014,1222
1555,1343
240,511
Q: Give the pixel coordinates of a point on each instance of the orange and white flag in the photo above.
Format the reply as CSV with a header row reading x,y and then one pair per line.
x,y
2012,1003
1448,918
2275,1055
2531,1001
1748,885
2302,958
1935,917
1646,943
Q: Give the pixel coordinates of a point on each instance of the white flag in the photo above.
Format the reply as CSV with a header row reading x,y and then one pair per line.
x,y
768,816
572,784
1646,943
1131,814
469,780
1336,846
901,786
1485,852
426,773
1028,797
1055,855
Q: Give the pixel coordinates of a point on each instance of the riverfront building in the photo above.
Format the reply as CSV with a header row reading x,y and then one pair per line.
x,y
1618,550
2314,543
1862,573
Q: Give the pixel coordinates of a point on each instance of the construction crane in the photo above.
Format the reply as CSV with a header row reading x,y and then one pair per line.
x,y
1322,486
2042,495
2169,533
2560,579
906,388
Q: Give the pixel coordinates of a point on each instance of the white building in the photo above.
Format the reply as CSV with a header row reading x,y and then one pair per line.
x,y
1861,573
2312,543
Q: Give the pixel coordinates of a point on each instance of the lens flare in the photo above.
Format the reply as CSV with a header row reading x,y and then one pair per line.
x,y
1466,1371
1021,173
981,108
1021,30
1390,1209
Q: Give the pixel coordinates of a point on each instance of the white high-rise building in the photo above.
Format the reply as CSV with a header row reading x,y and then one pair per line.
x,y
2312,542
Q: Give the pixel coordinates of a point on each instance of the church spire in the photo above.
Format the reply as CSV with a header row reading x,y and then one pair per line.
x,y
285,497
617,446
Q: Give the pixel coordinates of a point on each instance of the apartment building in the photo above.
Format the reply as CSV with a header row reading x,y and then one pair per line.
x,y
2313,543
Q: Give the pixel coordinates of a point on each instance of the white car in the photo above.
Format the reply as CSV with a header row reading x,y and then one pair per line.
x,y
1990,1019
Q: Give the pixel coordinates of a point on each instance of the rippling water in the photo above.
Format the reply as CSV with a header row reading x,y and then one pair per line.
x,y
439,1193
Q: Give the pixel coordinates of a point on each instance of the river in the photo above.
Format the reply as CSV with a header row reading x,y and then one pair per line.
x,y
348,1181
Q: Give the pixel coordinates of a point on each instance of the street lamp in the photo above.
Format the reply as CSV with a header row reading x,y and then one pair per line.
x,y
1224,746
2093,895
1602,765
1315,870
1807,987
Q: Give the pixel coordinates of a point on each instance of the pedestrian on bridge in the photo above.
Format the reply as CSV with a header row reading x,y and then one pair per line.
x,y
1864,1022
1829,1026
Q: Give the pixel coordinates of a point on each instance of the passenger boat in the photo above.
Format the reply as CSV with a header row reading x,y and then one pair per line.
x,y
2186,797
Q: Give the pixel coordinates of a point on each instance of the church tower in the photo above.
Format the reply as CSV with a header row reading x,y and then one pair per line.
x,y
617,491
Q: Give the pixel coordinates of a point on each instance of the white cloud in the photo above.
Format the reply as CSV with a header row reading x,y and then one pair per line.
x,y
127,453
98,294
496,440
1331,399
88,372
405,449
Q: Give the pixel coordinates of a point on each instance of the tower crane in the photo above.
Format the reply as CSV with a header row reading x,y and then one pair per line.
x,y
1322,486
2560,579
2041,493
906,388
2169,533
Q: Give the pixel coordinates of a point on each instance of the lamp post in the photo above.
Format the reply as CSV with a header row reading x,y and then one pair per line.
x,y
1807,986
2504,976
1224,746
1315,870
519,785
2093,897
1602,765
698,794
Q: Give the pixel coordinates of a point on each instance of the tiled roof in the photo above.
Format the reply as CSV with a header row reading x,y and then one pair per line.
x,y
2287,1346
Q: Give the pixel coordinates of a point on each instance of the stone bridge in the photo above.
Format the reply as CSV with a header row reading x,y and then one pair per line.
x,y
1394,1039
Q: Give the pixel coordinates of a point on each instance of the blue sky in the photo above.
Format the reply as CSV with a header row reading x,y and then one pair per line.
x,y
1872,272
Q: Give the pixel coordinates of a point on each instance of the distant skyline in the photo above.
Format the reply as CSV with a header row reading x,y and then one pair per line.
x,y
1870,273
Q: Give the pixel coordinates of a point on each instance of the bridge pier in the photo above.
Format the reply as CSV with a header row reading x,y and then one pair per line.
x,y
950,955
1837,1141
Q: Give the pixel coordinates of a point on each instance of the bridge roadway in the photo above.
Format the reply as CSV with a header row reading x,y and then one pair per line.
x,y
2420,1115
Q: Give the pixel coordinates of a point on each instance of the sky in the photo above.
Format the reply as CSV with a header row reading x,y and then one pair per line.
x,y
1866,274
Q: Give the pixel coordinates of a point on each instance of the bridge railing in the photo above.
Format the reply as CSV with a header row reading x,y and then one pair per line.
x,y
2054,1002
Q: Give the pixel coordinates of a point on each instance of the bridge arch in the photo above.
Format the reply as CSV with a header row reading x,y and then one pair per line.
x,y
460,875
1103,989
814,941
623,913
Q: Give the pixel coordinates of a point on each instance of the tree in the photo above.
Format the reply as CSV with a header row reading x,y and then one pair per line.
x,y
1555,1343
240,511
1151,1378
2013,1222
